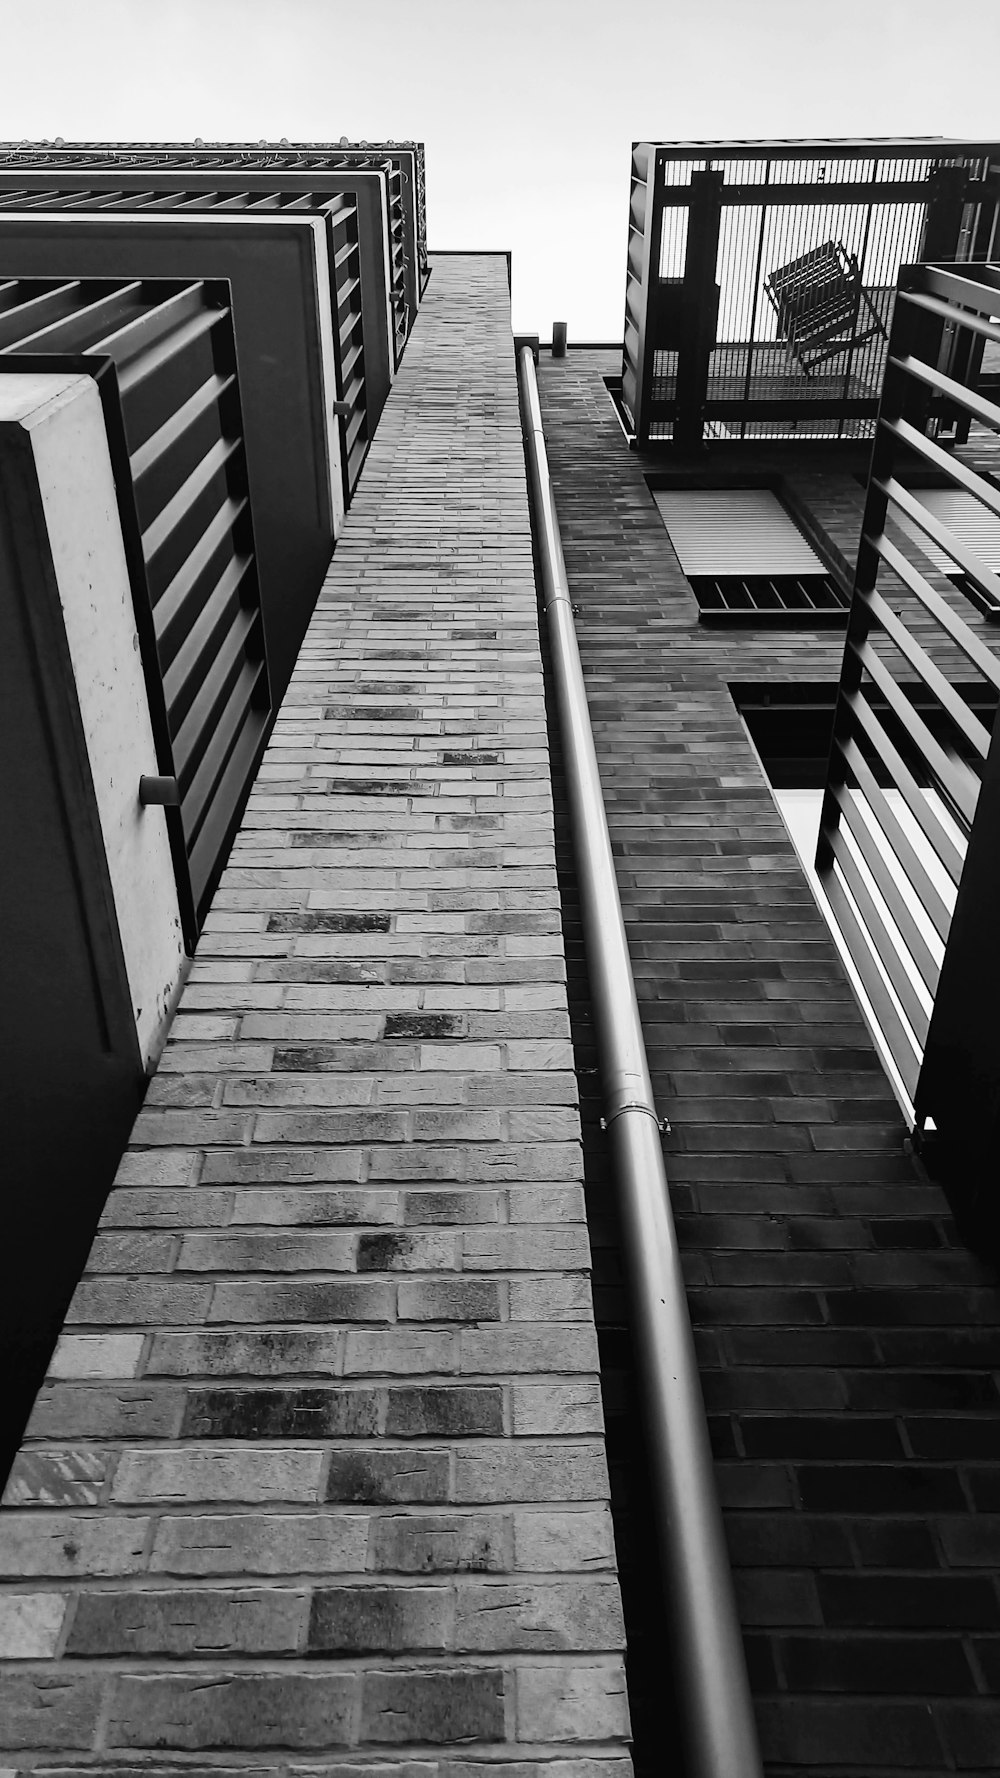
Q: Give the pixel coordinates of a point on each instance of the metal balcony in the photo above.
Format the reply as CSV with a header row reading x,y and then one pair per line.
x,y
761,277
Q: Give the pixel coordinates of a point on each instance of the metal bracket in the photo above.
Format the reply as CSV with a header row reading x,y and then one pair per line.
x,y
164,791
661,1123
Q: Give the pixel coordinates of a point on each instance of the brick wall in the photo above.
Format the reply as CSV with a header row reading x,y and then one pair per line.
x,y
848,1343
318,1471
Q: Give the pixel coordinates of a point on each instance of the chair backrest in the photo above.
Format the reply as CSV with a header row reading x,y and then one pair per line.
x,y
819,288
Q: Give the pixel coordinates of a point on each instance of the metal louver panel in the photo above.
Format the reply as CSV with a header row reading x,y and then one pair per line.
x,y
971,522
734,531
178,449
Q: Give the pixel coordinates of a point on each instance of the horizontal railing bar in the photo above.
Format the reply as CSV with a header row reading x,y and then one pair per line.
x,y
238,700
74,331
139,368
904,1055
887,886
903,780
195,649
937,606
169,605
139,334
230,784
951,701
148,455
948,312
986,412
37,306
956,471
880,937
976,286
178,507
193,739
949,772
945,539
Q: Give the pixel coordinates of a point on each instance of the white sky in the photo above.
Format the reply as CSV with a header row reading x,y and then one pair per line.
x,y
527,107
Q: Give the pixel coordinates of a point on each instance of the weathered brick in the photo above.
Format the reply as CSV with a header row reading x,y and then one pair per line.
x,y
501,1472
222,1474
440,1706
455,1411
56,1478
30,1624
564,1541
261,1543
569,1702
49,1709
188,1623
58,1544
233,1710
339,1300
557,1407
548,1615
388,1477
475,1543
70,1410
377,1619
466,1299
281,1413
268,1352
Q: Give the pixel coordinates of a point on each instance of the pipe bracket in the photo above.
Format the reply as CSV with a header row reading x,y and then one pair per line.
x,y
662,1123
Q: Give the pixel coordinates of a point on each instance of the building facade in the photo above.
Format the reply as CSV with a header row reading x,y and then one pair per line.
x,y
339,1462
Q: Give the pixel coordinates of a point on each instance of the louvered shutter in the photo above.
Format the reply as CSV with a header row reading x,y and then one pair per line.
x,y
970,521
735,531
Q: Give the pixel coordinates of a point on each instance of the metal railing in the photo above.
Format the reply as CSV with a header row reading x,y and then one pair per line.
x,y
761,277
164,355
909,847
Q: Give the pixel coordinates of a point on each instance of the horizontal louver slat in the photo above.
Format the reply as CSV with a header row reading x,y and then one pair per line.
x,y
734,531
972,523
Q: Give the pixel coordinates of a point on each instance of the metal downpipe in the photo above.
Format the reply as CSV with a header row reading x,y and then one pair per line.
x,y
715,1712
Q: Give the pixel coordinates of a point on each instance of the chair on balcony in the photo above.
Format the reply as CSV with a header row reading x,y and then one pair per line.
x,y
817,299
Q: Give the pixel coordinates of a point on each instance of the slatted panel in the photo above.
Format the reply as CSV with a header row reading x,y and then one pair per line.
x,y
345,282
735,531
961,513
911,759
186,517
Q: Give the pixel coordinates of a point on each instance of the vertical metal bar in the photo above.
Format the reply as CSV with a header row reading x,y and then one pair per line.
x,y
756,294
706,1649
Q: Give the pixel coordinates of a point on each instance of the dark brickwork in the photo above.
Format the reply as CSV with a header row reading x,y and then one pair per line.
x,y
848,1342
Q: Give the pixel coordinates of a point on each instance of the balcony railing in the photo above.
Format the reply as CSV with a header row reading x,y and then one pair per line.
x,y
761,277
909,849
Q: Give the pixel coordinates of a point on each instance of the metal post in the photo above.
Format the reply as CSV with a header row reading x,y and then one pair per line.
x,y
715,1712
558,339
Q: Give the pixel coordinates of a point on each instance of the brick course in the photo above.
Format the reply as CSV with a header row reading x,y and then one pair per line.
x,y
319,1465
